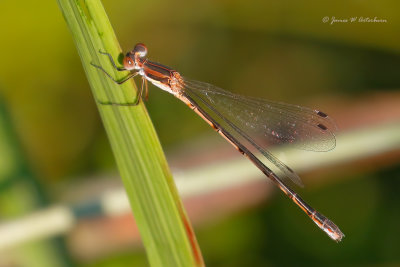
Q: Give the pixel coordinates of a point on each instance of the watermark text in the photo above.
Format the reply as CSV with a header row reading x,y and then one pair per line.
x,y
336,20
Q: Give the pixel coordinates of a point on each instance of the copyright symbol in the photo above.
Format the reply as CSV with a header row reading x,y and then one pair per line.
x,y
325,19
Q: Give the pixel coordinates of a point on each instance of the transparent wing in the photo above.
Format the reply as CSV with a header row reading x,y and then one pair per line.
x,y
265,123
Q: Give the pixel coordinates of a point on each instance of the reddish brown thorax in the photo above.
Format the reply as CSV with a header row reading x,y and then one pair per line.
x,y
160,75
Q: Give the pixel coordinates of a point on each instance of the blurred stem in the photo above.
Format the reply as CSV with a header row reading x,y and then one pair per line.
x,y
165,230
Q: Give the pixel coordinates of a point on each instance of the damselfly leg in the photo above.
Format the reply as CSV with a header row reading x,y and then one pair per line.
x,y
112,61
130,76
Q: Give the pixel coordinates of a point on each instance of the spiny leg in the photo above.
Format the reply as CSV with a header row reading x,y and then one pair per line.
x,y
147,90
112,61
138,97
130,76
115,67
140,93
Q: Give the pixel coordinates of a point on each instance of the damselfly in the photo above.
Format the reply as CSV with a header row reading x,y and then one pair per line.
x,y
249,124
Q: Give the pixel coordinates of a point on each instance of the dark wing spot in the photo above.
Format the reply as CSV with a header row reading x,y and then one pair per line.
x,y
321,114
323,127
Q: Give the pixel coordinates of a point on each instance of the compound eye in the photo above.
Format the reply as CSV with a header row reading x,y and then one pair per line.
x,y
129,63
140,50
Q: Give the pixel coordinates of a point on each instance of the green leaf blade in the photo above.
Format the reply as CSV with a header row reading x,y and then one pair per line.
x,y
165,230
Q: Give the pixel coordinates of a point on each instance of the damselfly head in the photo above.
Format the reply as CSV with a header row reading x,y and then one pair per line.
x,y
135,58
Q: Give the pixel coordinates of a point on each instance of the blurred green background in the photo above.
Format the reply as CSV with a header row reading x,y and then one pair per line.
x,y
280,50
